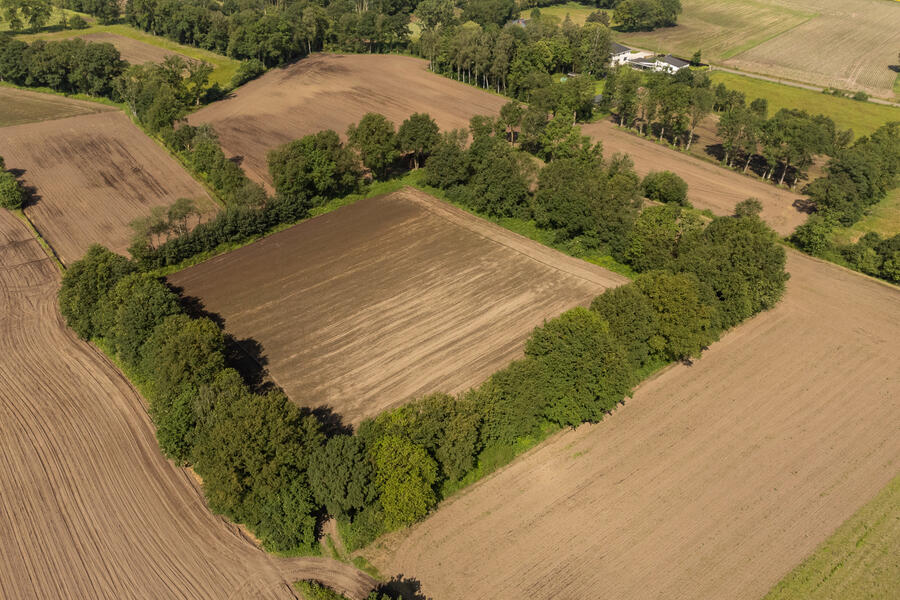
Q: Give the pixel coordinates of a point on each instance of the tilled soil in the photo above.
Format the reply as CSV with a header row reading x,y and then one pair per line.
x,y
709,185
392,297
712,482
332,91
92,175
90,508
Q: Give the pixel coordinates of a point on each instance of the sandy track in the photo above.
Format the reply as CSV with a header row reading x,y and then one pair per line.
x,y
331,91
712,482
709,186
390,298
93,175
89,508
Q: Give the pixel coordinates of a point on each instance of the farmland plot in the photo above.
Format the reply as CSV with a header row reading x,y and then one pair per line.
x,y
849,45
90,507
93,175
134,51
709,185
331,91
713,481
389,298
18,107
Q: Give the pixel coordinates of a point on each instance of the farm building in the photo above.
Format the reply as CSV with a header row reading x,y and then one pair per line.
x,y
667,63
618,54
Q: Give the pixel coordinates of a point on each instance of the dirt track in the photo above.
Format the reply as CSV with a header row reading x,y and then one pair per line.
x,y
390,298
90,508
331,91
93,175
712,482
709,186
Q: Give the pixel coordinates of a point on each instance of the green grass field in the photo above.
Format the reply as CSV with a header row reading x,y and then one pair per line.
x,y
577,12
860,560
55,18
225,67
862,117
884,219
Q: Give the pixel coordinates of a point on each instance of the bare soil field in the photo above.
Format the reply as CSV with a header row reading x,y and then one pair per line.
x,y
848,45
92,176
134,51
713,481
18,107
389,298
90,507
709,185
331,91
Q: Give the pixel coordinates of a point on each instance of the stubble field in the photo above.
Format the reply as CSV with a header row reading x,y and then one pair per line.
x,y
709,186
90,507
331,91
716,478
389,298
93,175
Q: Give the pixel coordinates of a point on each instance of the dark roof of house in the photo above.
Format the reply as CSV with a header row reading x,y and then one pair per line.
x,y
615,48
674,61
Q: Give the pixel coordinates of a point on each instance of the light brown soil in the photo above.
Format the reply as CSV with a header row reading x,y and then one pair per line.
x,y
92,176
709,185
90,508
712,482
331,91
134,51
389,298
18,107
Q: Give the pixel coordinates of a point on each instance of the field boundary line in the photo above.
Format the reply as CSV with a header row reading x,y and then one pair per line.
x,y
48,249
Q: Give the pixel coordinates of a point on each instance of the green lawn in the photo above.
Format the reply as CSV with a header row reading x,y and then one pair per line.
x,y
577,12
55,18
860,560
884,218
862,117
225,67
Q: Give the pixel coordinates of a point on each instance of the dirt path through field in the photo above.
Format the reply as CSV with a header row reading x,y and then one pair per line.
x,y
89,508
712,482
709,185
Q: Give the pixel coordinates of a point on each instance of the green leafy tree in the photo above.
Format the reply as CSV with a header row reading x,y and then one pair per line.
x,y
632,320
404,476
340,476
12,196
448,165
666,187
86,283
418,136
653,241
375,140
588,369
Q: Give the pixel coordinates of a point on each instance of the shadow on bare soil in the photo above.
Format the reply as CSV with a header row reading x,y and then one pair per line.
x,y
399,586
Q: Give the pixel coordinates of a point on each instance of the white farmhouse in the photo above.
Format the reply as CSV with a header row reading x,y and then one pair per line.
x,y
667,63
618,54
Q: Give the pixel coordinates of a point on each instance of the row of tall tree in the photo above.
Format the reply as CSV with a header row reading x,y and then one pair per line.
x,y
671,107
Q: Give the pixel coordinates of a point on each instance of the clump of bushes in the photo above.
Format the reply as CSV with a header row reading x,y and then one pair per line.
x,y
666,187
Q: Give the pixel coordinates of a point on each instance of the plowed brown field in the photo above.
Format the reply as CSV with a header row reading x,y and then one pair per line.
x,y
19,106
712,482
90,508
709,185
389,298
331,91
93,175
134,51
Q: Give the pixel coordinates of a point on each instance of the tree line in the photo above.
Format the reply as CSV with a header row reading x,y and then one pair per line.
x,y
12,194
671,107
278,469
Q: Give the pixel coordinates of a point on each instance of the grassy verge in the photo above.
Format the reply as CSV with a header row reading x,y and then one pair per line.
x,y
862,117
883,218
40,239
860,560
224,67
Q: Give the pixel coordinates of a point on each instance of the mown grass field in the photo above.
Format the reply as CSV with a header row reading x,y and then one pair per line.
x,y
225,67
719,28
862,117
861,560
577,12
55,18
883,219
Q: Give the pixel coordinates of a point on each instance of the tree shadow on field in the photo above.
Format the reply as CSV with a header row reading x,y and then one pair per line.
x,y
245,356
332,422
804,205
399,586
